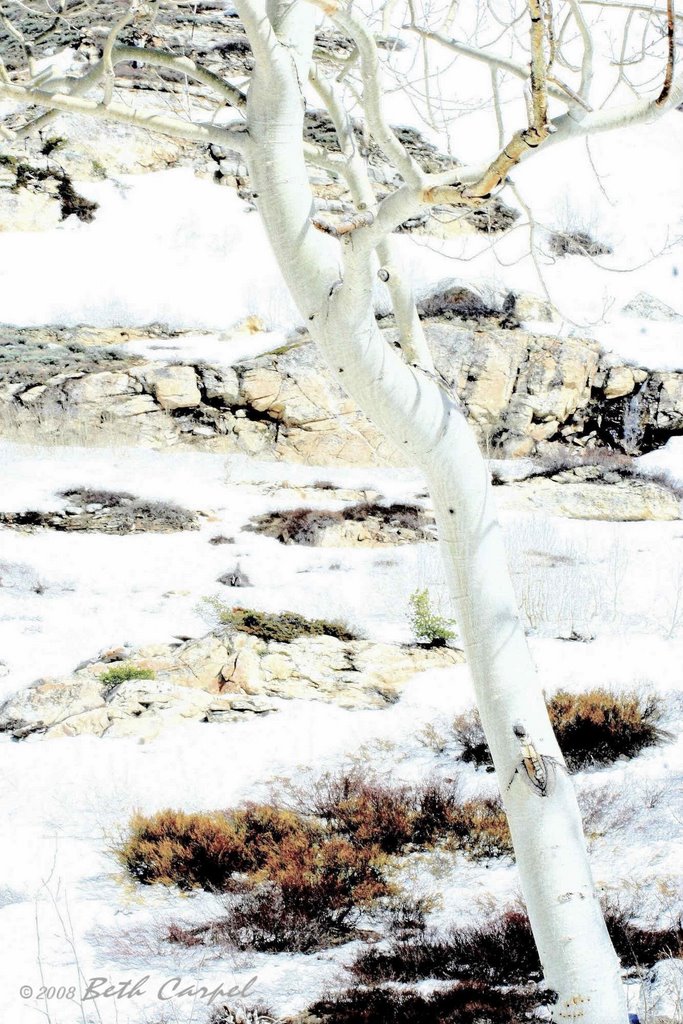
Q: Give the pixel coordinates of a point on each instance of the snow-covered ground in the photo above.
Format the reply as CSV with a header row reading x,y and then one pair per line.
x,y
170,248
63,893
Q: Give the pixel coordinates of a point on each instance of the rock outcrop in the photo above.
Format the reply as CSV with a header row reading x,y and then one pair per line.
x,y
218,678
520,390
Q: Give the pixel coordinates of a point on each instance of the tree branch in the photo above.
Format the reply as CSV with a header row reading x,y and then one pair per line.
x,y
233,138
671,54
386,138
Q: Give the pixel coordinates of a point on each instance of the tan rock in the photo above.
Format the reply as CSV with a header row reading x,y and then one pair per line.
x,y
202,662
627,501
88,723
174,387
24,210
620,381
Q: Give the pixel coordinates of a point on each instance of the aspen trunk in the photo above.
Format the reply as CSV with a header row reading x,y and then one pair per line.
x,y
333,292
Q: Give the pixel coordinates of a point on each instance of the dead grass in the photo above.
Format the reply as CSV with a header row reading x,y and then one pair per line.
x,y
593,728
281,627
305,525
297,884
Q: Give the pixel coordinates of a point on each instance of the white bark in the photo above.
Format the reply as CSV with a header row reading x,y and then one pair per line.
x,y
420,418
331,282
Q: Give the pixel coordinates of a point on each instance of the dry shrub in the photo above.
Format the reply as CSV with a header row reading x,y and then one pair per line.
x,y
366,811
298,884
598,727
595,727
481,829
577,243
457,303
205,849
637,946
395,817
304,525
501,952
463,1004
309,897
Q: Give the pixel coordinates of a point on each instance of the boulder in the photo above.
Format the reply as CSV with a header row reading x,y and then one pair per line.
x,y
173,387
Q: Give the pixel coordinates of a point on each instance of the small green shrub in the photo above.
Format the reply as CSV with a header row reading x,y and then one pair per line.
x,y
428,625
281,627
122,673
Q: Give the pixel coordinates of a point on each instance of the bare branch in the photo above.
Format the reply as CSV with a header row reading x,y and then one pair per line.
x,y
233,138
539,86
671,54
108,69
382,132
556,88
587,39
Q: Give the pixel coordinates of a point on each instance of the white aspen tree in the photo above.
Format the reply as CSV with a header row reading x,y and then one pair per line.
x,y
330,270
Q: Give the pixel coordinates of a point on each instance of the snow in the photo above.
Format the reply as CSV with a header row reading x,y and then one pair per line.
x,y
171,248
68,799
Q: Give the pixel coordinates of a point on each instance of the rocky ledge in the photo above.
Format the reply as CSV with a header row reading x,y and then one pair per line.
x,y
521,391
221,677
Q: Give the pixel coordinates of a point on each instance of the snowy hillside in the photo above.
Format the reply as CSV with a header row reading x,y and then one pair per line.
x,y
170,457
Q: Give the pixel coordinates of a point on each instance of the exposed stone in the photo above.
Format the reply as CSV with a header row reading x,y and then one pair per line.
x,y
613,500
620,381
220,677
520,391
174,387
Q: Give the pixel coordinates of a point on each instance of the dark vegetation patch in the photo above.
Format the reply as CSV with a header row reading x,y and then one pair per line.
x,y
93,510
577,243
599,465
280,626
493,218
220,538
47,179
319,129
593,728
305,525
456,302
297,877
258,1014
27,361
463,1004
502,952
